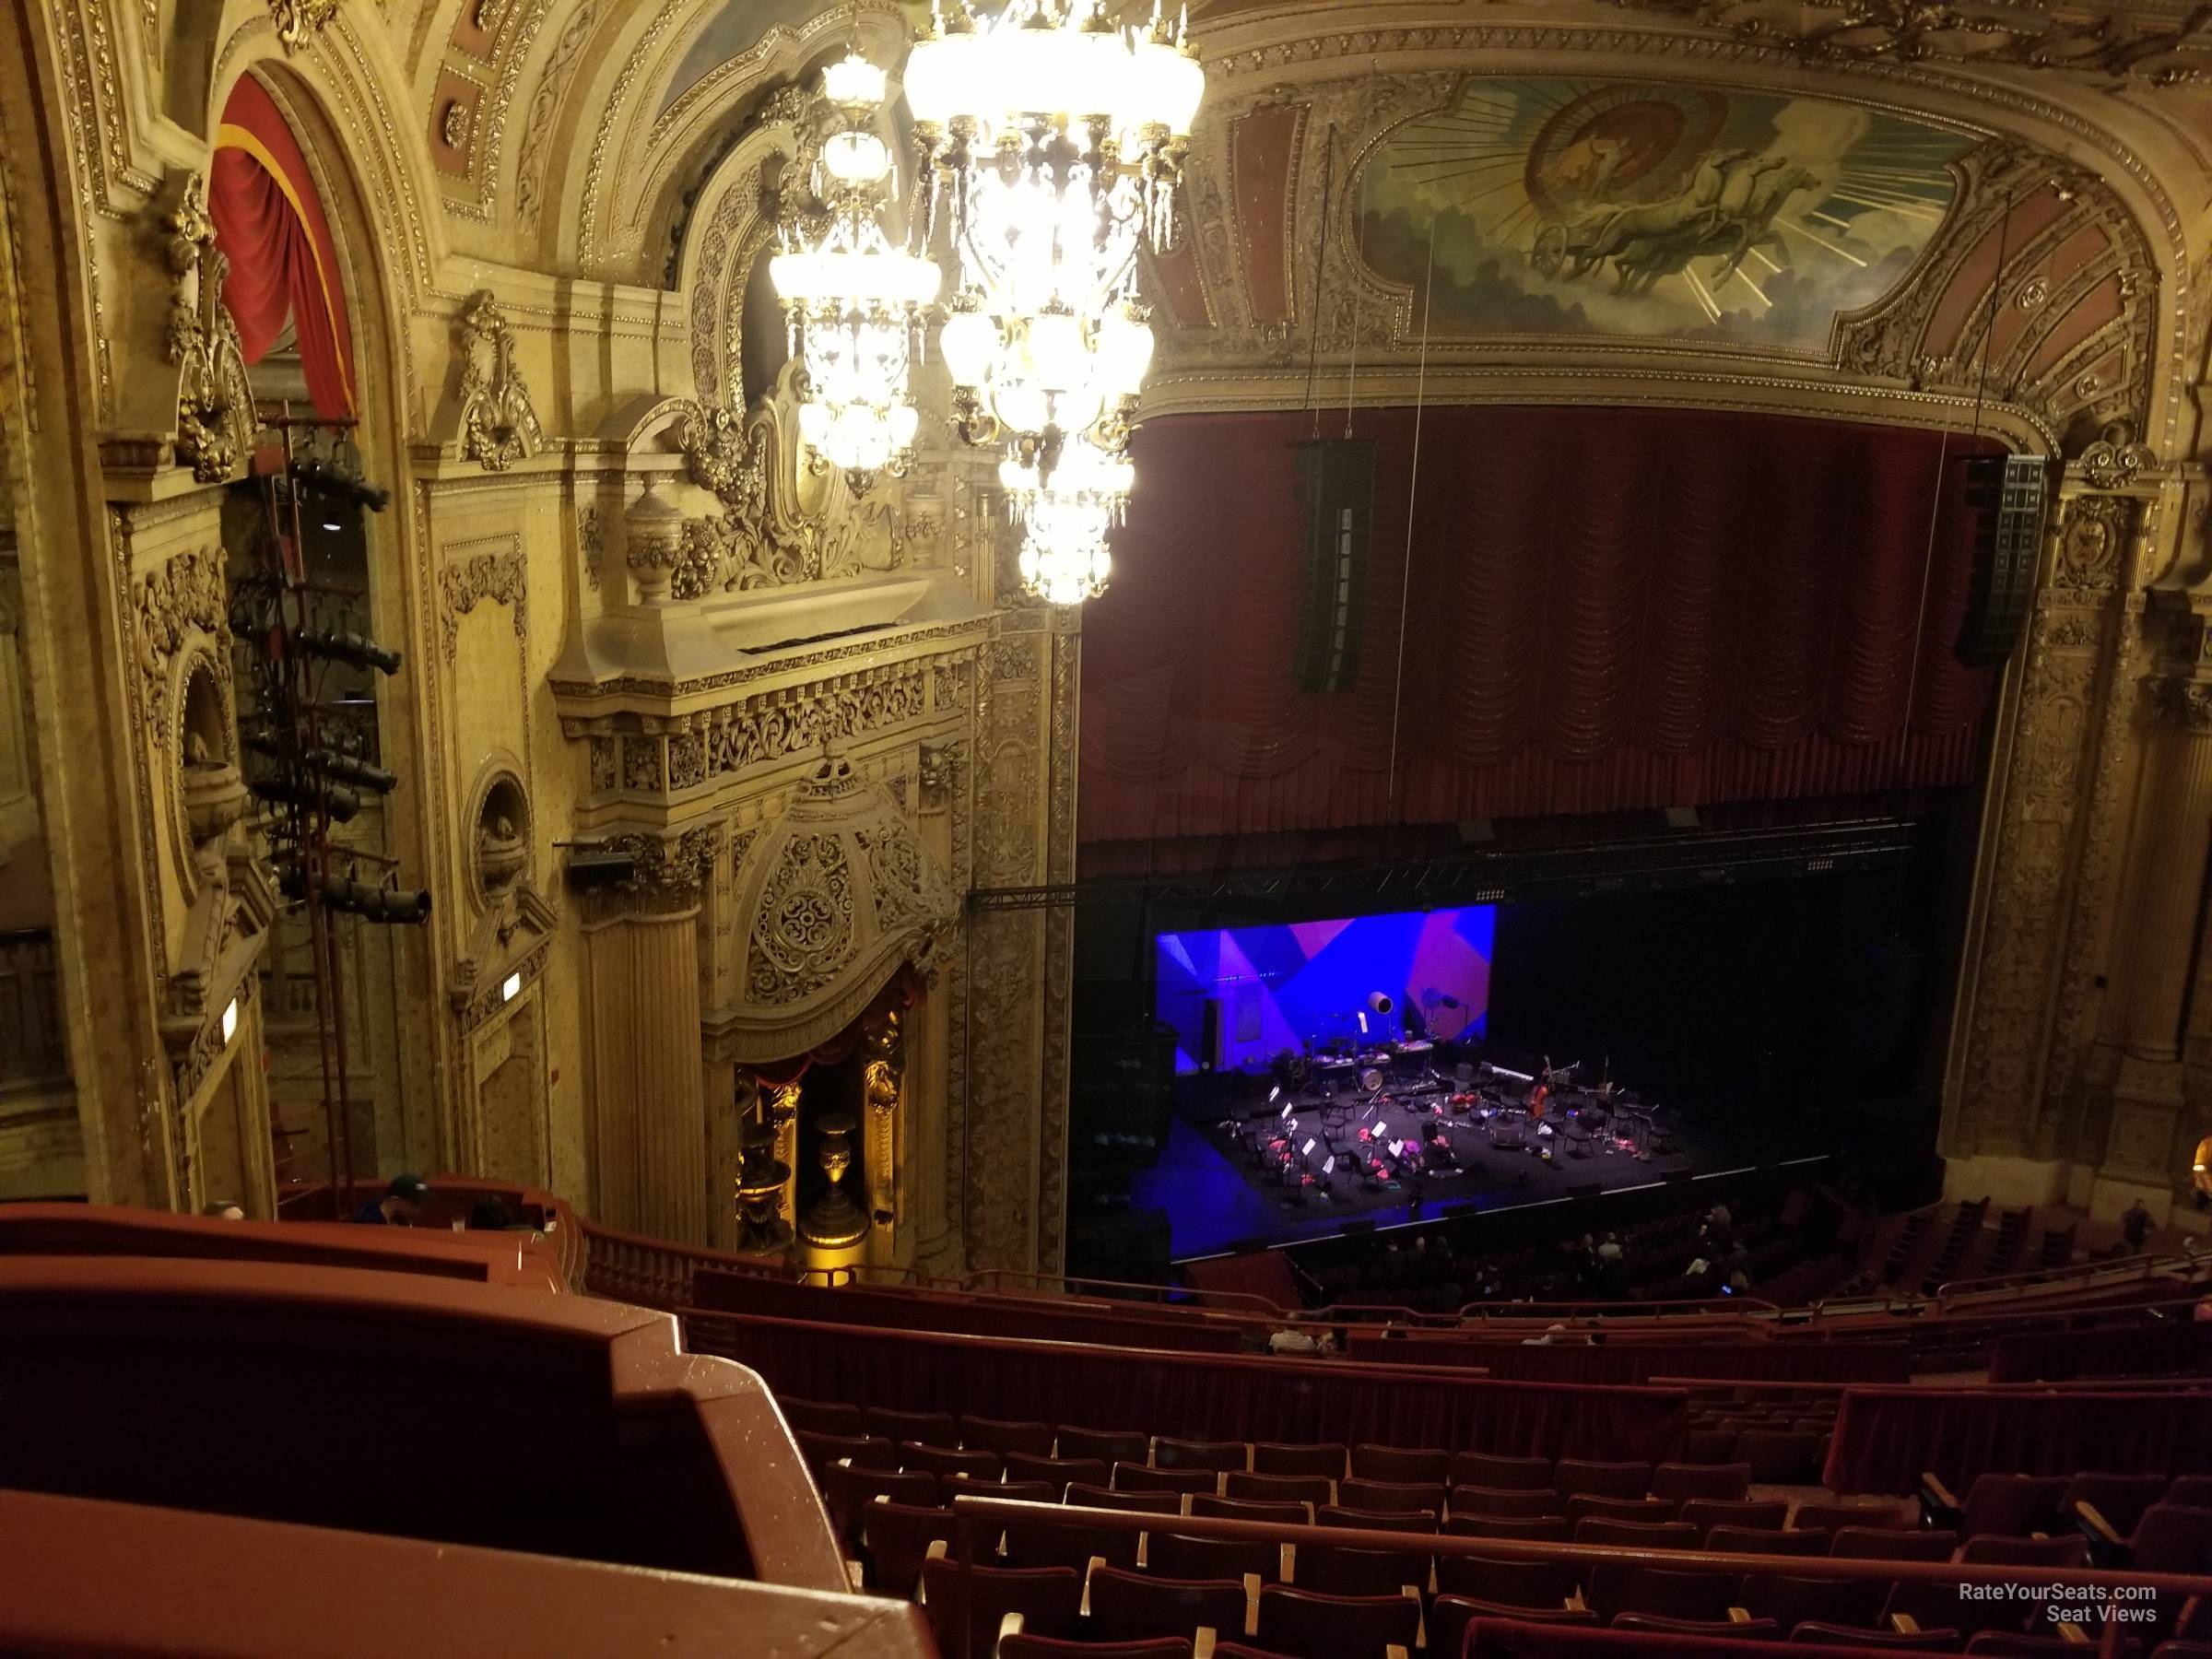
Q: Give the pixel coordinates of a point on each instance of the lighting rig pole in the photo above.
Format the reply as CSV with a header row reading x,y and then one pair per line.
x,y
313,757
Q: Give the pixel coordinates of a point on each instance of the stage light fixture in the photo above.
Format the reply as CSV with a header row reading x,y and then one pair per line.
x,y
1380,1002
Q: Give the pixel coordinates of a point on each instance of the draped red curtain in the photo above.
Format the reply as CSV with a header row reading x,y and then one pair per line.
x,y
902,992
1603,609
270,224
1885,1437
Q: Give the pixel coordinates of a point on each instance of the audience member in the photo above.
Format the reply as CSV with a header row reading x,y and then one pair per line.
x,y
404,1197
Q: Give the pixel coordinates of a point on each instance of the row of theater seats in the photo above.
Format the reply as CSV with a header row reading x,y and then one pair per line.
x,y
1360,1602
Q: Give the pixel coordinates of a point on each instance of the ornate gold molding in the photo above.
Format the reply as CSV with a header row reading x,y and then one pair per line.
x,y
214,404
296,21
468,583
499,423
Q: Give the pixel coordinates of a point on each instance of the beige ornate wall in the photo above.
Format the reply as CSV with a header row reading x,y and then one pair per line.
x,y
547,215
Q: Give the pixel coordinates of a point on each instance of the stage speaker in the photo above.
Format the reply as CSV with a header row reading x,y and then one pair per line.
x,y
2005,493
1335,500
1209,1033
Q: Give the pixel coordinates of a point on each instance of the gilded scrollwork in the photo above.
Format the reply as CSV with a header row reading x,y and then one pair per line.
x,y
467,585
297,21
499,422
214,404
170,603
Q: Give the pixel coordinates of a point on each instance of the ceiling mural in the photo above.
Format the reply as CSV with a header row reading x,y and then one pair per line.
x,y
1690,213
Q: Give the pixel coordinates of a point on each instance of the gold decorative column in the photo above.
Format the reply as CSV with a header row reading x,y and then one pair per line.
x,y
882,1081
650,1127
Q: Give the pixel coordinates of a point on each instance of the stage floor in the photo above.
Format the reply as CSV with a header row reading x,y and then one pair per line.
x,y
1217,1200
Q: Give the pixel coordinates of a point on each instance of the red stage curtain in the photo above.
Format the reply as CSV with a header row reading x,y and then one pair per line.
x,y
1205,1396
1885,1438
270,224
2055,1356
1607,609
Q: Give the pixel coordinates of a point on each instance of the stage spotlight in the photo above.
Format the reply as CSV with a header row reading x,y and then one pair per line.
x,y
1274,1094
1380,1002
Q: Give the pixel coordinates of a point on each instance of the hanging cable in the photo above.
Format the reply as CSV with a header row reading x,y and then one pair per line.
x,y
1321,251
1413,492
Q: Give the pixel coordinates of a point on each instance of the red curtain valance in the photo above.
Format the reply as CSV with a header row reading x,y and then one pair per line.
x,y
270,224
902,992
1608,610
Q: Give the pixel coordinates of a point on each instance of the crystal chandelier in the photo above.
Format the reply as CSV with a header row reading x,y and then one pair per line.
x,y
1053,141
853,300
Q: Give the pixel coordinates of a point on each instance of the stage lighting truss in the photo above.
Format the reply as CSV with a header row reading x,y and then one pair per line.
x,y
1055,141
853,299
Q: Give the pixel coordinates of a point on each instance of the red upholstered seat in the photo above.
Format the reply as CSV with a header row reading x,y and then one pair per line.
x,y
1143,1478
1945,1641
977,1464
1179,1556
894,1540
1624,1588
1406,1520
1941,1604
1149,1503
1391,1495
1780,1456
1025,1646
1574,1476
1112,1445
1513,1474
1301,1624
2173,1537
1684,1480
1169,1453
1763,1540
2070,1550
1750,1512
1251,1509
1832,1516
1041,1542
930,1428
1535,1529
1505,1500
1012,1491
1278,1488
992,1434
846,1491
1513,1583
1889,1544
1449,1616
1585,1505
1789,1602
1421,1467
1272,1457
1336,1572
860,1452
1636,1534
2011,1505
1708,1446
1050,1600
1057,1471
1127,1606
2119,1499
820,1417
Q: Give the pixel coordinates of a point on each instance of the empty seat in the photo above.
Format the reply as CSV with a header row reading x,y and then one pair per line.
x,y
822,1416
1251,1509
1127,1606
1170,1454
1779,1457
1504,1500
1512,1474
1789,1601
930,1428
1636,1534
1419,1468
1143,1478
1584,1507
1699,1630
1681,1481
2118,1499
1534,1529
1890,1543
1449,1617
1943,1604
992,1434
1390,1495
1575,1477
1049,1599
1022,1645
1014,1492
1708,1446
1945,1641
894,1540
1829,1516
846,1491
1057,1471
1768,1514
1410,1521
2008,1505
1278,1488
2070,1549
1622,1587
1514,1584
860,1452
1036,1542
977,1464
2172,1537
1763,1540
1177,1554
1343,1571
1274,1457
1110,1446
1304,1624
1147,1504
2194,1491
